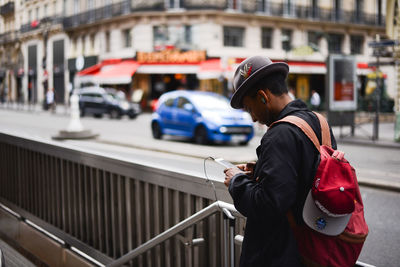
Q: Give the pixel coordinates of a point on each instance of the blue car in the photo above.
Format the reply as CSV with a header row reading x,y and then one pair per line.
x,y
203,117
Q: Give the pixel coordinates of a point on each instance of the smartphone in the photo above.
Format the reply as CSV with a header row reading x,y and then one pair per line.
x,y
225,163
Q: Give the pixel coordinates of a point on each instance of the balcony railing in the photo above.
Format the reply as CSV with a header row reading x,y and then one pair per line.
x,y
246,6
98,14
7,9
37,24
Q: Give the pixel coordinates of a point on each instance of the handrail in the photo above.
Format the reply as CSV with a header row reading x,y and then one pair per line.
x,y
195,218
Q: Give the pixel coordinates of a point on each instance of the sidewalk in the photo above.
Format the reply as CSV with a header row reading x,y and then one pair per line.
x,y
388,179
363,135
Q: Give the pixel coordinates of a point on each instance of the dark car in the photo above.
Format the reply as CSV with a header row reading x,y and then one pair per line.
x,y
202,116
98,101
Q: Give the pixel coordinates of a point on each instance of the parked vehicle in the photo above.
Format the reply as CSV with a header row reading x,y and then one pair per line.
x,y
202,116
98,101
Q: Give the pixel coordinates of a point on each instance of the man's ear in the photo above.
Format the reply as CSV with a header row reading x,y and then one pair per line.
x,y
261,94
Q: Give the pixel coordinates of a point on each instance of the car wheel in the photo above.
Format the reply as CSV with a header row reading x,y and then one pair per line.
x,y
200,135
156,130
98,115
132,117
244,143
114,114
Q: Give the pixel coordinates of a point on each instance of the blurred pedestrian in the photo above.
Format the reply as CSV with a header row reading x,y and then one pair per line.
x,y
50,99
291,93
315,100
278,183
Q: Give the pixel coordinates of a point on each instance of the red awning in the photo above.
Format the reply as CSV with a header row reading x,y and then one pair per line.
x,y
120,73
210,69
113,71
90,70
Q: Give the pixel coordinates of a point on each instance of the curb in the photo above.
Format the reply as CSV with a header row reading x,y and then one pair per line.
x,y
373,183
371,143
379,184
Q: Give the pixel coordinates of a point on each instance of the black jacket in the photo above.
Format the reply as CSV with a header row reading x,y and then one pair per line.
x,y
285,169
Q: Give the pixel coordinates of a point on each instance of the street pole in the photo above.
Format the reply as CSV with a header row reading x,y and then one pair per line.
x,y
375,135
393,31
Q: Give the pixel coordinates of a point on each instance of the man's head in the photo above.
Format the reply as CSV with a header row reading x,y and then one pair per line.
x,y
260,88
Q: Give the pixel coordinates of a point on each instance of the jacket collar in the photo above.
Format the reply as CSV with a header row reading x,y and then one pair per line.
x,y
293,106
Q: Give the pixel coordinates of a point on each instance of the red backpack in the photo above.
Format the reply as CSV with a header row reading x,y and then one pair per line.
x,y
335,230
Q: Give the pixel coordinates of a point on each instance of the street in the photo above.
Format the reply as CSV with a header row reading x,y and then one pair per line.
x,y
131,139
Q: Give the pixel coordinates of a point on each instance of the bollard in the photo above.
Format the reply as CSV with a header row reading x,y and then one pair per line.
x,y
75,129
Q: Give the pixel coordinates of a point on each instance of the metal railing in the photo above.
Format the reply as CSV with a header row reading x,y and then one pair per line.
x,y
229,232
246,6
98,14
107,206
7,9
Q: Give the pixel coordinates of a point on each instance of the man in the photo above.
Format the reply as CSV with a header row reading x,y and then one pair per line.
x,y
275,187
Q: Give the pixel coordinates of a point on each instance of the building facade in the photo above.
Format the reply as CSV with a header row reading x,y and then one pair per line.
x,y
194,44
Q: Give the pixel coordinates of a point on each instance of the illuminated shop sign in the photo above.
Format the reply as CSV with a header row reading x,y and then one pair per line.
x,y
171,56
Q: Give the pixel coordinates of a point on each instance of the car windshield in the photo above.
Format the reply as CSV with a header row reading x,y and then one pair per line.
x,y
110,97
207,102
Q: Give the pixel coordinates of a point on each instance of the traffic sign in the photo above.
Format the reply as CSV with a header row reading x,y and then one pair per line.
x,y
383,43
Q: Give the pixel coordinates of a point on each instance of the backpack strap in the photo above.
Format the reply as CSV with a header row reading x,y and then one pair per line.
x,y
304,126
308,131
325,132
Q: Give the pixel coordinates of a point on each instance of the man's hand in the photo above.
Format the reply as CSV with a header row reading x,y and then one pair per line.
x,y
247,169
229,173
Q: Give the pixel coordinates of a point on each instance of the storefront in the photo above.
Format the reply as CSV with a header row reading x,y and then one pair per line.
x,y
154,73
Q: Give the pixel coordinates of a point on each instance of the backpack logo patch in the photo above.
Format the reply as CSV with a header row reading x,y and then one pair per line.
x,y
320,223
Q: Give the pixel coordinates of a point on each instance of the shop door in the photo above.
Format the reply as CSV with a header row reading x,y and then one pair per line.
x,y
32,74
58,71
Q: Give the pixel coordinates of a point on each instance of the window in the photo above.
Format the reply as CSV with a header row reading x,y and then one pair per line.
x,y
76,7
235,4
127,38
263,6
233,36
107,41
356,44
46,11
288,8
179,36
338,9
37,13
379,12
90,5
266,37
30,16
314,8
188,34
358,13
169,102
313,40
286,39
175,3
335,43
64,10
181,102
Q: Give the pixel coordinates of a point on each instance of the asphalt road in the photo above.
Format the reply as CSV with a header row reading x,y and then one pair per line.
x,y
381,207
